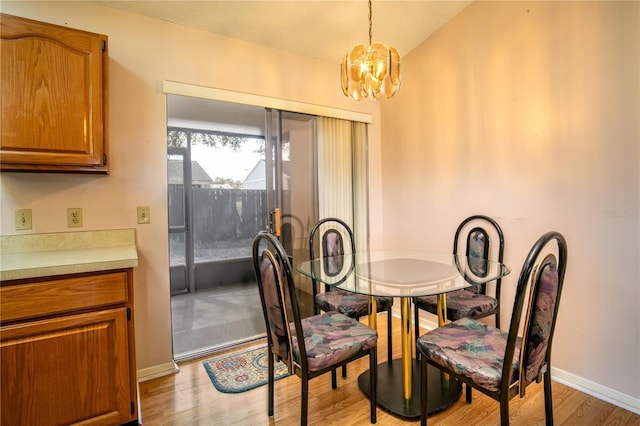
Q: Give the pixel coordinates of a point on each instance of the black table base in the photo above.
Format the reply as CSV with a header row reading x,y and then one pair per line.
x,y
441,391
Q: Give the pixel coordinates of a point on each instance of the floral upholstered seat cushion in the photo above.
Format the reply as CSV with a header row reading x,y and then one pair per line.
x,y
332,337
460,304
350,304
472,349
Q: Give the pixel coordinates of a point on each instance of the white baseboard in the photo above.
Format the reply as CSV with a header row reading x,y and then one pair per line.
x,y
596,390
157,371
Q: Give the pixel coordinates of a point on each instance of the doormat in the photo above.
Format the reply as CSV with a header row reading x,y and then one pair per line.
x,y
241,371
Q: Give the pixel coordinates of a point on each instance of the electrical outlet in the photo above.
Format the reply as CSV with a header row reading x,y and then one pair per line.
x,y
144,214
74,217
23,219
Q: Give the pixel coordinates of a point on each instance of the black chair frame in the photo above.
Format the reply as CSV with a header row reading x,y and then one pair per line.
x,y
527,288
483,287
347,228
273,251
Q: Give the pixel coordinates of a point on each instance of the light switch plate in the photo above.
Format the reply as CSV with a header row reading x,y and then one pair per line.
x,y
144,214
23,219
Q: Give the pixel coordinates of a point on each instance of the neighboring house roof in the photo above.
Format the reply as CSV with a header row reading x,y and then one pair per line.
x,y
198,175
256,177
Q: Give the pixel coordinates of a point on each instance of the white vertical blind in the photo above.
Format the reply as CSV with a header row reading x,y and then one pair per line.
x,y
342,179
360,186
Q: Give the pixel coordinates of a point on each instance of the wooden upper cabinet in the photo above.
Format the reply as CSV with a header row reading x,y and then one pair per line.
x,y
53,98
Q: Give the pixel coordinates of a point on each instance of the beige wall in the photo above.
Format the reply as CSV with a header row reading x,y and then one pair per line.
x,y
524,111
143,53
529,112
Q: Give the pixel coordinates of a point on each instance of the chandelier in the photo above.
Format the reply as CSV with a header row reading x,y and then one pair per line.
x,y
369,72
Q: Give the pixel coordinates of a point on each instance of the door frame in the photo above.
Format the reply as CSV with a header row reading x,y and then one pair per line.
x,y
187,219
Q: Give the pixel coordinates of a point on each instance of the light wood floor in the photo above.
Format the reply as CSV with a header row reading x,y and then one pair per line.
x,y
189,398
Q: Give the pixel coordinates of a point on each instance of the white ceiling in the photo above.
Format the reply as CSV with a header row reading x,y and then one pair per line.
x,y
323,30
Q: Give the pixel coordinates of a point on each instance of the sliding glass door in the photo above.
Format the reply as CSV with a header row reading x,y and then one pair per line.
x,y
242,171
291,179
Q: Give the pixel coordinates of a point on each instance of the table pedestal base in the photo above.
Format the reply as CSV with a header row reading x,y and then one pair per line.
x,y
440,395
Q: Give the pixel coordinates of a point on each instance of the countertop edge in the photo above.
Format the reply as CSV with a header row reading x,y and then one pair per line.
x,y
41,255
67,269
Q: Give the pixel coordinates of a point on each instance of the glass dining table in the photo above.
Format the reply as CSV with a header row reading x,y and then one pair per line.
x,y
405,274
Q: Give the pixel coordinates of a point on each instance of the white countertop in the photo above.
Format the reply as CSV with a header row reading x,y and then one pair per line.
x,y
39,255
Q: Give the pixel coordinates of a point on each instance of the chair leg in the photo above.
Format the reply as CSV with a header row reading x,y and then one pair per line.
x,y
304,400
423,391
316,310
468,394
373,380
344,371
389,336
334,379
504,410
548,404
270,385
416,324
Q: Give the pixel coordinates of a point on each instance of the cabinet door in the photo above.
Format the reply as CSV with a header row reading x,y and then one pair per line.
x,y
66,370
52,97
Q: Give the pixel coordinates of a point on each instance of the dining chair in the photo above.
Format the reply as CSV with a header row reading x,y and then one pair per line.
x,y
500,363
477,237
311,346
335,238
474,239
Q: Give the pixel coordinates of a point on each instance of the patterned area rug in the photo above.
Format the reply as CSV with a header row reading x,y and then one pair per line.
x,y
241,371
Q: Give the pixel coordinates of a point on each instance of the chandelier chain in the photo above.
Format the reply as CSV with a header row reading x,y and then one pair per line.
x,y
370,24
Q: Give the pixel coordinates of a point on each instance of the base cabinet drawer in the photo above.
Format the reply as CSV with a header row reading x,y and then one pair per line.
x,y
57,296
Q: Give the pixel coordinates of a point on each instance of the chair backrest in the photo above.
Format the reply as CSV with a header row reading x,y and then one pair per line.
x,y
480,238
334,238
292,234
278,298
540,285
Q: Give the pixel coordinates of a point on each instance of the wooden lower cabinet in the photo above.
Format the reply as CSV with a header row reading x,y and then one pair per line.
x,y
73,366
